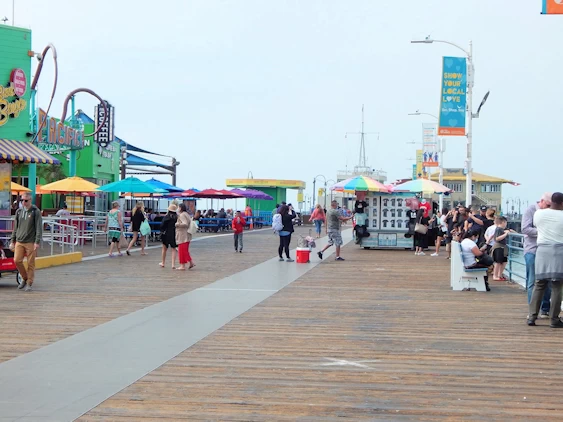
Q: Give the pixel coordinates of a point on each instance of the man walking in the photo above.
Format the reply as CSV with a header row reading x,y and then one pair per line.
x,y
530,233
26,237
333,221
238,228
549,260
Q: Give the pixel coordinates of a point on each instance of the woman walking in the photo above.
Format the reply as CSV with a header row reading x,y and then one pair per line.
x,y
318,217
421,236
285,233
168,235
183,238
136,220
114,227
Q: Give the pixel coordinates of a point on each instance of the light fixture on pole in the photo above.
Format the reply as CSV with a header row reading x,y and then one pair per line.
x,y
315,197
471,115
441,150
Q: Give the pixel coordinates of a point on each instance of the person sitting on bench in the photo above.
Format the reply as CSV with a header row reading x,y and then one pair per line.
x,y
472,256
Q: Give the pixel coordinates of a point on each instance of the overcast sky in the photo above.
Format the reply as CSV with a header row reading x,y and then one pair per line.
x,y
272,87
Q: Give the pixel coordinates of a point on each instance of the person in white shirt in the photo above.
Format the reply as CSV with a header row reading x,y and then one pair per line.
x,y
472,256
549,260
63,212
442,230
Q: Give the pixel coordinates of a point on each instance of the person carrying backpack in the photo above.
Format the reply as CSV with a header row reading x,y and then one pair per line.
x,y
26,238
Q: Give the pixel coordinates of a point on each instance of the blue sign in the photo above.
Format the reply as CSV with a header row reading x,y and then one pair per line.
x,y
453,97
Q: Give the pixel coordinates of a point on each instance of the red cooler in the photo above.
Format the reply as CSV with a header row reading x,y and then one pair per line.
x,y
302,255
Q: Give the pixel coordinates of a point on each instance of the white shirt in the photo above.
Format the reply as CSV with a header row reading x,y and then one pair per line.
x,y
62,213
443,224
489,233
549,223
466,252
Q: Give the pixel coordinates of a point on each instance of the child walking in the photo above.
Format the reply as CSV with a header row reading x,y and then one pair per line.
x,y
238,228
500,249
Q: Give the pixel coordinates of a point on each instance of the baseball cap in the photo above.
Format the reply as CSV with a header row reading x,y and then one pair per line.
x,y
484,208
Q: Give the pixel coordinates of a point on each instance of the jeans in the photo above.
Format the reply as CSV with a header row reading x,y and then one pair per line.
x,y
318,224
238,241
530,259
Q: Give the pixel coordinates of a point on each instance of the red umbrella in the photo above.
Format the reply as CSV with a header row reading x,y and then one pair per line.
x,y
216,194
187,193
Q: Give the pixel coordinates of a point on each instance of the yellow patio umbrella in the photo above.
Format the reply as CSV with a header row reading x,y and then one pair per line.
x,y
70,184
17,188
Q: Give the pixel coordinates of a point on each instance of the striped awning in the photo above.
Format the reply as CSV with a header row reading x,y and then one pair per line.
x,y
25,152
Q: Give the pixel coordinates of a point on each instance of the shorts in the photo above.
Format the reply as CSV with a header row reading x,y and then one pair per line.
x,y
115,239
498,256
169,244
334,238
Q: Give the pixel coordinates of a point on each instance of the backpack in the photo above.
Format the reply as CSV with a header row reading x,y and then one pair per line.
x,y
277,223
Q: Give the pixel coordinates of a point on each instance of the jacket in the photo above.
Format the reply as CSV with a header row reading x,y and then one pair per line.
x,y
168,228
238,228
28,226
287,221
182,235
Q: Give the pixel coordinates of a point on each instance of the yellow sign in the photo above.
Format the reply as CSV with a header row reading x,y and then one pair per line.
x,y
266,183
300,197
10,109
419,159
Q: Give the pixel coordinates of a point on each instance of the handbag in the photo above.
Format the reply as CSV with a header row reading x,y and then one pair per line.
x,y
145,228
123,242
420,228
192,229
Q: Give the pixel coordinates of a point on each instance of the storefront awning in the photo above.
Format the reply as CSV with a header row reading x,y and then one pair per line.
x,y
25,152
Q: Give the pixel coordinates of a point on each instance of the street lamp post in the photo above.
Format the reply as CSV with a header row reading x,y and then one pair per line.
x,y
441,149
470,79
333,182
314,187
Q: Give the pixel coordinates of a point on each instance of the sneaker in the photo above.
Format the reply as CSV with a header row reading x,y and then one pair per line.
x,y
435,254
556,324
339,258
320,255
544,315
531,322
416,253
421,253
281,259
28,288
240,251
289,260
21,286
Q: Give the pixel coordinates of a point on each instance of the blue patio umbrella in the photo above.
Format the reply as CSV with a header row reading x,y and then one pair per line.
x,y
166,186
132,185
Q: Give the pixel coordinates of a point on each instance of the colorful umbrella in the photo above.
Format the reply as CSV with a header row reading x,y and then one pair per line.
x,y
16,188
422,185
131,184
216,194
167,187
70,184
252,194
360,183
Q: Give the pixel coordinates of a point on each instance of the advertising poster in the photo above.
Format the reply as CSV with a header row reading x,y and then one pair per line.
x,y
430,145
5,189
453,97
419,158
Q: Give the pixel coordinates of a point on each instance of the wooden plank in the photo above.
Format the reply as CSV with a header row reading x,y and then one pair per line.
x,y
379,336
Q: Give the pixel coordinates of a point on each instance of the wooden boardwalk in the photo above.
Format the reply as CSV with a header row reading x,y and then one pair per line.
x,y
378,337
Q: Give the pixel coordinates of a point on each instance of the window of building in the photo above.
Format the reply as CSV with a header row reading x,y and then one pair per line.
x,y
24,181
456,187
490,187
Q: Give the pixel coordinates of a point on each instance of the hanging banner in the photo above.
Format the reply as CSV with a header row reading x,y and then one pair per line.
x,y
104,137
430,145
419,156
552,7
453,97
414,176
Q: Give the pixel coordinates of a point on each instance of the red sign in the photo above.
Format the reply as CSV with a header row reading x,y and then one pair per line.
x,y
19,82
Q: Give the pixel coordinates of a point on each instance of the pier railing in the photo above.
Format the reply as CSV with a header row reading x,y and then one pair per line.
x,y
516,267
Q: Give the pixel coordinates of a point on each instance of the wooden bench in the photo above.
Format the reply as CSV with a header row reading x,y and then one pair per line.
x,y
463,278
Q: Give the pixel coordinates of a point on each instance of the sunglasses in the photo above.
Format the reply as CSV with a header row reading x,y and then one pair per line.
x,y
26,200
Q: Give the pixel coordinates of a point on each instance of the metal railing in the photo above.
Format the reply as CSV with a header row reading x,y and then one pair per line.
x,y
516,267
63,235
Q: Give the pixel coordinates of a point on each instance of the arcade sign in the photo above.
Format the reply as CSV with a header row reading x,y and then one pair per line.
x,y
11,107
56,135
